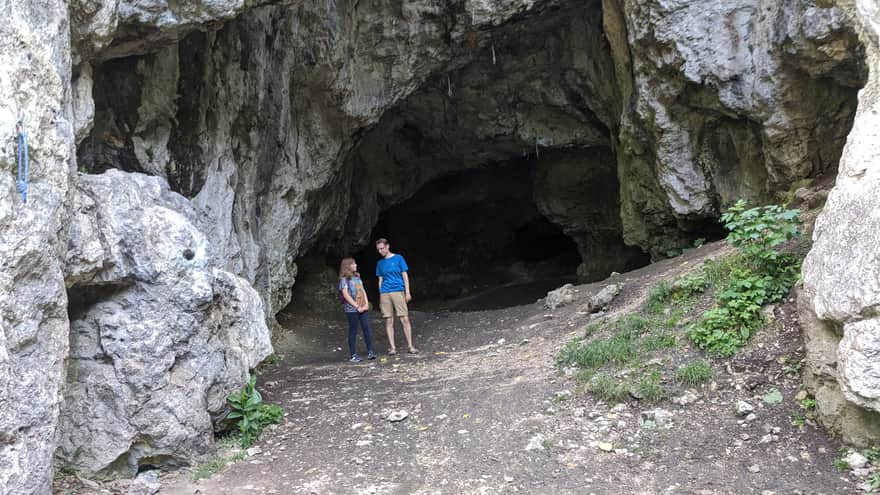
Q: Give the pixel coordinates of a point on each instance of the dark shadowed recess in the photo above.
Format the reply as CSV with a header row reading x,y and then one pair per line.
x,y
471,230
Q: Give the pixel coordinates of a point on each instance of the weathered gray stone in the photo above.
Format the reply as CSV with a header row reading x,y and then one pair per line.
x,y
273,121
115,28
35,84
840,305
837,414
159,335
859,363
719,108
559,297
146,483
743,408
603,298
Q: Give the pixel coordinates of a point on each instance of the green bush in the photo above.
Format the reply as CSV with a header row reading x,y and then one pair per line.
x,y
760,276
757,232
251,413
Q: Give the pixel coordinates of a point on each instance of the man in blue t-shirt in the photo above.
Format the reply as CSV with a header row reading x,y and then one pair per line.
x,y
394,293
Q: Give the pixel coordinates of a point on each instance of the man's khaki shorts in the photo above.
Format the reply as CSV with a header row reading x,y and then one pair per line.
x,y
392,303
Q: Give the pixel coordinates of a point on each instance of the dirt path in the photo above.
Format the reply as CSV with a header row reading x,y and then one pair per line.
x,y
489,412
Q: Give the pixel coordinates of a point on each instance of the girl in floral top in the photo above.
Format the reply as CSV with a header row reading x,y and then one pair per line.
x,y
356,307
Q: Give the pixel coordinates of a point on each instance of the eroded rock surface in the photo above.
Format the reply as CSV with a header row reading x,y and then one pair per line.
x,y
841,297
159,336
294,127
288,128
35,82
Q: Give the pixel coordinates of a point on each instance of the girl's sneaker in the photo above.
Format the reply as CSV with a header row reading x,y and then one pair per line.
x,y
355,358
371,355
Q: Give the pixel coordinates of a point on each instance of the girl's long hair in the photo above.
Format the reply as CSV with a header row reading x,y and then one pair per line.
x,y
345,270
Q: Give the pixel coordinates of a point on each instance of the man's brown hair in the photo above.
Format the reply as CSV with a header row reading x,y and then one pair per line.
x,y
381,240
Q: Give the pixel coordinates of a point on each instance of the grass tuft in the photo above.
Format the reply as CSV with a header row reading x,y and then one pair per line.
x,y
693,373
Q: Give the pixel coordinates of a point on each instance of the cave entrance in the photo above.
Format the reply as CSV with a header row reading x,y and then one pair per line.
x,y
468,231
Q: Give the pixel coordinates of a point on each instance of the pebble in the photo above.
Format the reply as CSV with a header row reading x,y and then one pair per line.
x,y
856,460
863,472
754,468
743,408
536,442
768,438
396,416
686,398
89,483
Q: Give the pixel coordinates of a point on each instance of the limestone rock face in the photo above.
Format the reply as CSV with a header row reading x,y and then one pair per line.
x,y
286,128
35,82
841,281
292,127
159,336
718,107
110,28
260,118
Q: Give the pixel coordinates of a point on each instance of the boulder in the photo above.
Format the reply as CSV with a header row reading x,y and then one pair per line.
x,y
159,335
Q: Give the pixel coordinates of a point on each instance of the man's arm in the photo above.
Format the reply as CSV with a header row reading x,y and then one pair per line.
x,y
406,286
380,283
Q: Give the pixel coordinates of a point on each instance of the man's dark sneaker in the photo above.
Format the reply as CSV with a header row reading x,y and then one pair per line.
x,y
371,355
355,359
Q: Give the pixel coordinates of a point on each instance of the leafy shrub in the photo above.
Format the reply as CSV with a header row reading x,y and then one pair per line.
x,y
758,231
251,413
761,275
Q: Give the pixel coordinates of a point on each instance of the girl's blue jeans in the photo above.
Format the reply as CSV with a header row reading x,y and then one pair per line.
x,y
364,320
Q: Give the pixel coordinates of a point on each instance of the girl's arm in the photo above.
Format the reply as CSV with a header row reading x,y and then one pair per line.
x,y
347,296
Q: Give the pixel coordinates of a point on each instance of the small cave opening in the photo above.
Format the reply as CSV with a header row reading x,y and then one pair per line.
x,y
469,231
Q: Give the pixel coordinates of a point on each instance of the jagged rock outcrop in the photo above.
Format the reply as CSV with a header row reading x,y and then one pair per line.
x,y
288,128
111,28
723,100
158,336
35,84
294,127
841,299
